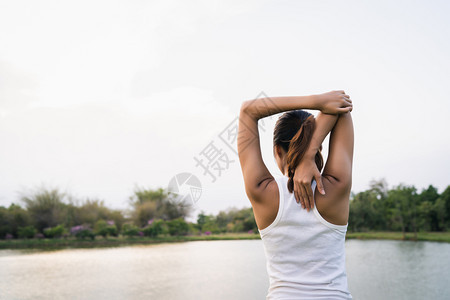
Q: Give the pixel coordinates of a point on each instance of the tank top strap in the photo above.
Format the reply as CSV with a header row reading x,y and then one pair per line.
x,y
281,204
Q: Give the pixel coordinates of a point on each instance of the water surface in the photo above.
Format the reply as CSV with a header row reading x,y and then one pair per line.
x,y
214,270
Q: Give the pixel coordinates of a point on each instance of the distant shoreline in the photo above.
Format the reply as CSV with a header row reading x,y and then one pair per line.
x,y
123,241
117,241
421,236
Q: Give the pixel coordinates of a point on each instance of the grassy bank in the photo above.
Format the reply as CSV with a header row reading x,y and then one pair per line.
x,y
117,241
421,236
121,241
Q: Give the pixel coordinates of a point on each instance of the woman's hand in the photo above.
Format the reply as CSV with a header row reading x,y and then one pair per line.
x,y
303,176
335,102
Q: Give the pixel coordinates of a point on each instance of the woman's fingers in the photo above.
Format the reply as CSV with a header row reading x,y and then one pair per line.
x,y
297,194
305,197
309,195
345,109
319,183
302,198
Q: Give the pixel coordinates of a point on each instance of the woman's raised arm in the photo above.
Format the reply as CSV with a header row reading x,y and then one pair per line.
x,y
256,175
337,174
307,168
334,102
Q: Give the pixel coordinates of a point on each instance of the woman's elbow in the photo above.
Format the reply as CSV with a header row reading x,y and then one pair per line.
x,y
245,105
246,108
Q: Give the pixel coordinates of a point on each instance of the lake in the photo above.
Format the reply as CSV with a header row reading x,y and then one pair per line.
x,y
214,270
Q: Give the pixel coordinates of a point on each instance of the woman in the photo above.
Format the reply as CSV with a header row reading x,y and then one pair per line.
x,y
303,232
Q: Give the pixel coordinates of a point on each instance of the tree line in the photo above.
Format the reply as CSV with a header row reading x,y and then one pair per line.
x,y
401,208
50,213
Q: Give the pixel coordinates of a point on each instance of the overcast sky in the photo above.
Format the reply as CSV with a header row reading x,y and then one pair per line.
x,y
99,97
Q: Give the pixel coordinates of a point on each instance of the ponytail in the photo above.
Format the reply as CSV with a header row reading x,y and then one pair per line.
x,y
293,132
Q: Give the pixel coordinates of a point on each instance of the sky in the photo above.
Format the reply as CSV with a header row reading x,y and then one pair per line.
x,y
98,98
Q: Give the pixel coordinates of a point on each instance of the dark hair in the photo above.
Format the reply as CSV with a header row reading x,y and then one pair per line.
x,y
293,132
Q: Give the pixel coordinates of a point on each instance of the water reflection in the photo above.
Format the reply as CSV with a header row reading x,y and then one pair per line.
x,y
194,270
213,270
398,269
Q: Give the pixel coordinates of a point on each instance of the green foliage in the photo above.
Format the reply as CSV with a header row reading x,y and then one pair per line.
x,y
157,212
55,232
26,232
45,207
4,223
12,218
231,220
178,227
130,230
144,212
85,234
194,229
91,211
399,209
104,229
150,204
211,226
158,227
202,219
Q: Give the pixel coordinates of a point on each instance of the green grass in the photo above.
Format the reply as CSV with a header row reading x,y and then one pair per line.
x,y
117,241
122,241
421,236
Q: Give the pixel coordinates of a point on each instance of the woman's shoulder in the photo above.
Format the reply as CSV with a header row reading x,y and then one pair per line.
x,y
266,207
334,205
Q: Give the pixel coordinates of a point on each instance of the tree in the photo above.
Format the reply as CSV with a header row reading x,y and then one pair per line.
x,y
201,219
148,204
445,198
431,195
26,232
380,188
366,211
441,214
91,211
405,210
178,227
424,215
5,227
46,207
12,218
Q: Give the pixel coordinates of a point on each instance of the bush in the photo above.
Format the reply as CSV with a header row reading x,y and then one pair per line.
x,y
39,236
130,230
211,226
86,233
26,232
238,226
82,232
178,227
156,228
55,232
194,228
105,229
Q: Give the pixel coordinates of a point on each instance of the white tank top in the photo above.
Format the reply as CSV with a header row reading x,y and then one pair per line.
x,y
305,253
